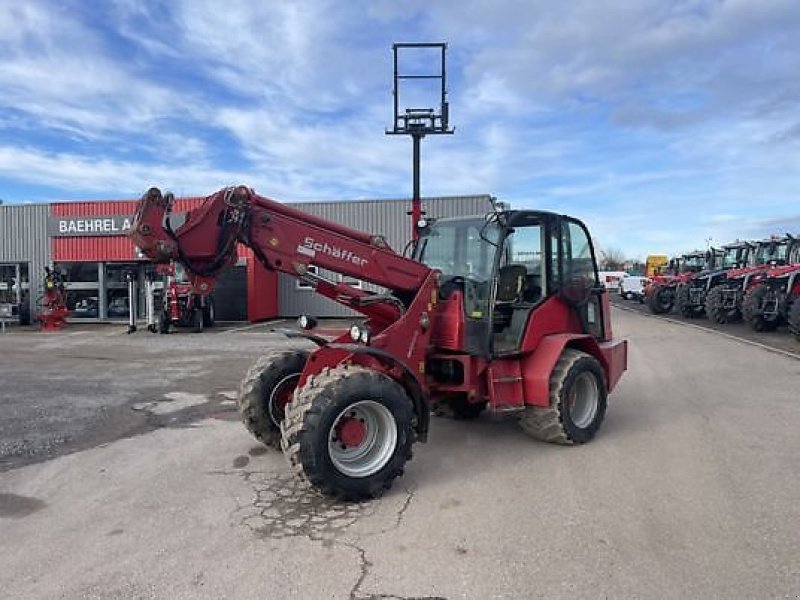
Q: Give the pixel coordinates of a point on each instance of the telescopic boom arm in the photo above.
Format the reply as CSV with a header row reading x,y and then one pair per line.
x,y
283,239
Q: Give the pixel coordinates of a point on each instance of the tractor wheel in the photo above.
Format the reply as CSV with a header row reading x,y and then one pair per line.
x,y
208,312
197,320
465,410
577,402
683,302
716,311
660,300
753,309
349,432
794,317
163,322
266,390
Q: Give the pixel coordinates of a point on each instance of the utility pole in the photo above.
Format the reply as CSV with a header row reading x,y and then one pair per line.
x,y
419,122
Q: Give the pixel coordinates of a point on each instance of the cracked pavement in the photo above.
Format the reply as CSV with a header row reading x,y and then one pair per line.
x,y
687,492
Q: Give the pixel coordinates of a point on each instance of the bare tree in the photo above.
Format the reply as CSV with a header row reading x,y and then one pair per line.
x,y
611,259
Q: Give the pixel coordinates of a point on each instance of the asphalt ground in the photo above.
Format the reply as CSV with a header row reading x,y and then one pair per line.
x,y
779,340
129,476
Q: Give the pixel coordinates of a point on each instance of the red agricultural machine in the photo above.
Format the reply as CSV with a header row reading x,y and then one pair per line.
x,y
772,296
661,292
690,293
723,287
725,302
53,312
181,304
501,311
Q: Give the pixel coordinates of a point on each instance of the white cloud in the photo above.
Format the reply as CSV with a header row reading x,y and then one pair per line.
x,y
653,119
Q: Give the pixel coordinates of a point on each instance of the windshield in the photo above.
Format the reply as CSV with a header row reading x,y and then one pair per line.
x,y
732,257
769,251
459,247
694,262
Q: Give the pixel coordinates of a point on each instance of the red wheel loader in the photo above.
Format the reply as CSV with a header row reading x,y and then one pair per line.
x,y
501,311
181,305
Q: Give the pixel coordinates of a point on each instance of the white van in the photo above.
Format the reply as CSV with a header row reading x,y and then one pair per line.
x,y
632,287
610,279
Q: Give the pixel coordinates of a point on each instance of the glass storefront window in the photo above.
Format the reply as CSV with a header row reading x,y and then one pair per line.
x,y
116,272
117,304
83,272
116,288
8,284
83,304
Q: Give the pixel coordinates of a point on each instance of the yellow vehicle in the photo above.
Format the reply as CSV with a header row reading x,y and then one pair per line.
x,y
655,263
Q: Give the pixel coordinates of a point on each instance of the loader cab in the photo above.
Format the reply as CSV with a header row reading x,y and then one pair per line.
x,y
506,265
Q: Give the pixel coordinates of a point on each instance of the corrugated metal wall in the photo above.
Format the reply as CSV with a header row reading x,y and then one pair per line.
x,y
23,239
383,217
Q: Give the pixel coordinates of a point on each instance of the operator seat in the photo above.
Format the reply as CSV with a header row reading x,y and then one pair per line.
x,y
511,281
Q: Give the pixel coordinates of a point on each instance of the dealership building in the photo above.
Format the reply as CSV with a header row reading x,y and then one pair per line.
x,y
86,243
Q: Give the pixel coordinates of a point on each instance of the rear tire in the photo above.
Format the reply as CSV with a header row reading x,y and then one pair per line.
x,y
661,299
794,318
716,311
265,392
753,309
209,315
577,402
363,462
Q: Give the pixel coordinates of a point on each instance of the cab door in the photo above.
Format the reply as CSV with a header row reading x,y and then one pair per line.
x,y
578,283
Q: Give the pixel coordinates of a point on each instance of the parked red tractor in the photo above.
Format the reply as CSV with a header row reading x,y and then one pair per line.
x,y
771,298
503,311
723,286
661,292
181,304
690,293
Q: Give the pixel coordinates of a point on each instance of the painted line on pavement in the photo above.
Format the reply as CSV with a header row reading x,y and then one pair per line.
x,y
766,347
253,326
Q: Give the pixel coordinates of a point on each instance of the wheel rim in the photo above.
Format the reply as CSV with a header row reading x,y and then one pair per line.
x,y
362,439
280,397
584,399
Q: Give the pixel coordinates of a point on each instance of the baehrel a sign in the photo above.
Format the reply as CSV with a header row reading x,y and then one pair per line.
x,y
88,226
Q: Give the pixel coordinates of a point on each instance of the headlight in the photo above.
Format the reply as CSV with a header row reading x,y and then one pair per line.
x,y
360,334
306,322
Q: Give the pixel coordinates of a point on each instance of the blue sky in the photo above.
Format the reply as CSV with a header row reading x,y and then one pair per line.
x,y
662,124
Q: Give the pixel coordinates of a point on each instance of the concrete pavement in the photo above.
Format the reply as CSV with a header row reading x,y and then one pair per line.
x,y
690,490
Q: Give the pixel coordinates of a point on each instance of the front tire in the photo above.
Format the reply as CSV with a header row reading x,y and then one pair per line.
x,y
577,402
209,316
753,309
349,431
197,320
716,311
683,302
265,392
163,322
794,318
